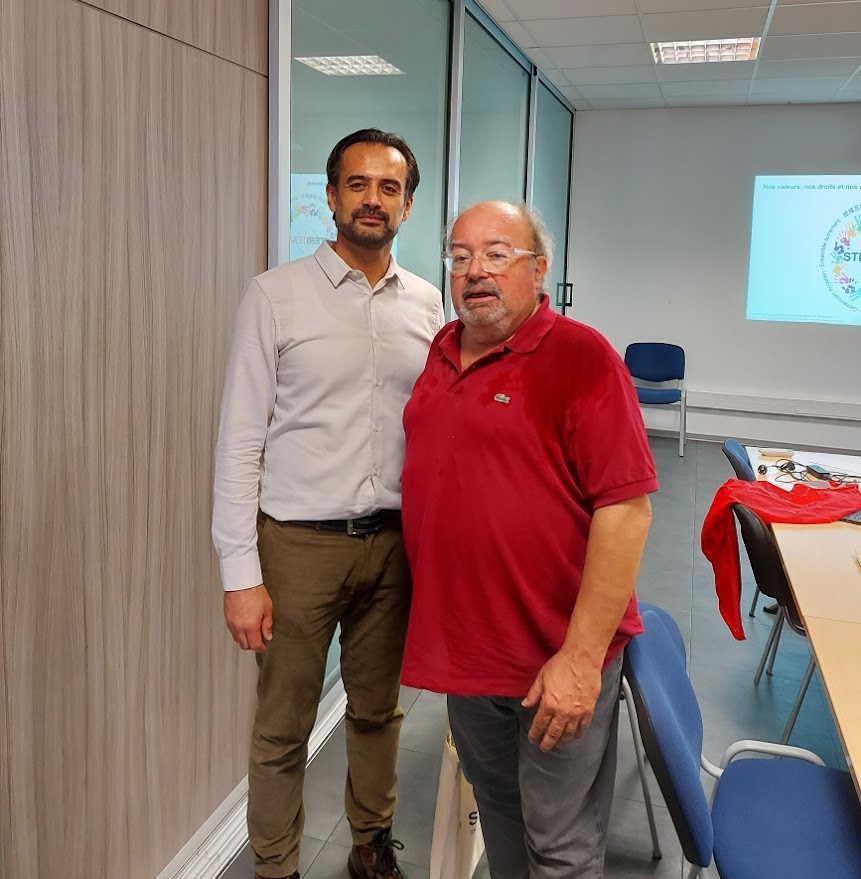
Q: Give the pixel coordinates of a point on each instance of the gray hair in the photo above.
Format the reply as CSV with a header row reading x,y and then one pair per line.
x,y
542,240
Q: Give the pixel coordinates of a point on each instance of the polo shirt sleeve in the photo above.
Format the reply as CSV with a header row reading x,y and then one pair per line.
x,y
608,447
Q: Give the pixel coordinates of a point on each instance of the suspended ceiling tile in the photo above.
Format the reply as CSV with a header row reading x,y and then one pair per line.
x,y
626,104
624,54
811,67
519,34
816,46
539,58
817,18
529,10
804,88
650,6
713,24
704,101
620,91
592,31
498,9
727,88
608,75
705,72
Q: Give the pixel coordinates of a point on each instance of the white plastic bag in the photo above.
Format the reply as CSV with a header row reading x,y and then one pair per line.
x,y
458,843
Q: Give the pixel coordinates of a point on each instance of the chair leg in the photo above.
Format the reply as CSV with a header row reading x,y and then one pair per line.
x,y
808,676
641,765
770,670
752,610
682,425
772,637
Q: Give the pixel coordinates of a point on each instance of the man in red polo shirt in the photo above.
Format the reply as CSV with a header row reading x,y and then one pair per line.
x,y
525,513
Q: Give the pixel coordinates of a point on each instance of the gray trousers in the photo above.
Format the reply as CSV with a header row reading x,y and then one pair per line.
x,y
544,816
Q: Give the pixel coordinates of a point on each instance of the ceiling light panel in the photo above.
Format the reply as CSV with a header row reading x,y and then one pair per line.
x,y
351,65
706,51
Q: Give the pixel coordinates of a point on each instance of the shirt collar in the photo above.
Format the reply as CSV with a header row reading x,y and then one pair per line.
x,y
528,337
337,270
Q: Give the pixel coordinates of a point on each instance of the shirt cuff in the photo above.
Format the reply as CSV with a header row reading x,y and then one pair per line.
x,y
241,572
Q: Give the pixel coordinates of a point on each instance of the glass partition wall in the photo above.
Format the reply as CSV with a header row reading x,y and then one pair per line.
x,y
480,119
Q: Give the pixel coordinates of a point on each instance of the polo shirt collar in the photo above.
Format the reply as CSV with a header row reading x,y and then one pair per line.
x,y
524,341
336,270
529,336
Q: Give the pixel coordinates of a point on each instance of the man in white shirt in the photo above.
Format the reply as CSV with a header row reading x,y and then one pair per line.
x,y
306,518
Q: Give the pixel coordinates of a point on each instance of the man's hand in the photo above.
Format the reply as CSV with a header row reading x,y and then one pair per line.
x,y
565,694
249,617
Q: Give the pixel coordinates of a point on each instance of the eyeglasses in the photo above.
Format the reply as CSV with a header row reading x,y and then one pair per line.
x,y
494,261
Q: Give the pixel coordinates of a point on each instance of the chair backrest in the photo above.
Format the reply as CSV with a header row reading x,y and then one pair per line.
x,y
671,727
655,361
740,460
669,623
765,562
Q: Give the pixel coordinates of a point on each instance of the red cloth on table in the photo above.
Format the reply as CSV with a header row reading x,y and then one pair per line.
x,y
803,505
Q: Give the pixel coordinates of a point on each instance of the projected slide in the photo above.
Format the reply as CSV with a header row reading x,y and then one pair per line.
x,y
805,250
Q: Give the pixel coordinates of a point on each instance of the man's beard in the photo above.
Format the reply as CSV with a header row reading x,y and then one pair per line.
x,y
371,237
488,313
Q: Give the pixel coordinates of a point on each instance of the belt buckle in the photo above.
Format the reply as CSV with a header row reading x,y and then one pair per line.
x,y
351,528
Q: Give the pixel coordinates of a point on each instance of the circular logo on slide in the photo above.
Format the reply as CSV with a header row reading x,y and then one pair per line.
x,y
840,259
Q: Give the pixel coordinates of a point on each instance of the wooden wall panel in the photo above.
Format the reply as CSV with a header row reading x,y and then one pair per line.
x,y
132,210
233,29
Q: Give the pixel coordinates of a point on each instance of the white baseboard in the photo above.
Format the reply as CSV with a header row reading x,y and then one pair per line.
x,y
209,852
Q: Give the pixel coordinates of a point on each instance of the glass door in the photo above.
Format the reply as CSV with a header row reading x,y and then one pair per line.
x,y
551,188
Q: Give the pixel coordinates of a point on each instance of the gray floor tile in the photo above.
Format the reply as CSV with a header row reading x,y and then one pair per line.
x,y
330,863
243,866
425,726
629,844
408,697
324,787
418,776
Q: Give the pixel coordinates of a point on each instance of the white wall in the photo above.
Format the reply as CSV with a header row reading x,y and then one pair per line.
x,y
659,251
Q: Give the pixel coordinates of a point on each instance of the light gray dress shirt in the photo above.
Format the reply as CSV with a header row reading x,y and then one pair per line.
x,y
320,369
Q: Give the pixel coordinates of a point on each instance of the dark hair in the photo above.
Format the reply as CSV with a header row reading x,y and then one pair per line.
x,y
374,135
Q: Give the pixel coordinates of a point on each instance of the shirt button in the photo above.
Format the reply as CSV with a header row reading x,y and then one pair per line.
x,y
376,428
376,382
376,471
376,338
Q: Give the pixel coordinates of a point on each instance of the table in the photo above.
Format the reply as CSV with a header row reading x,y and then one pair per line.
x,y
825,578
848,464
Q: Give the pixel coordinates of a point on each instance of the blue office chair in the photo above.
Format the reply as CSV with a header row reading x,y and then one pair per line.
x,y
659,363
739,459
635,731
792,818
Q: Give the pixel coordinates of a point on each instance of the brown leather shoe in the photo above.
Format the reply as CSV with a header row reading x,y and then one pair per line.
x,y
376,860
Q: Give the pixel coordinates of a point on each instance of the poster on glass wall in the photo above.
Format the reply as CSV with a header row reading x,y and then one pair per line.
x,y
311,220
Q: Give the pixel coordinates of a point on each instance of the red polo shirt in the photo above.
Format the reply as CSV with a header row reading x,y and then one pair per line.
x,y
505,464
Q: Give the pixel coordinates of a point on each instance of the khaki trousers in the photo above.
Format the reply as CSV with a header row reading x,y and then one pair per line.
x,y
318,579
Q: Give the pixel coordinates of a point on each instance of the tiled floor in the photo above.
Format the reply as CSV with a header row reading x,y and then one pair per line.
x,y
674,575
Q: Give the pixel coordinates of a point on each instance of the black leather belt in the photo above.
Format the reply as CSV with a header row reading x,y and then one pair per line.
x,y
360,527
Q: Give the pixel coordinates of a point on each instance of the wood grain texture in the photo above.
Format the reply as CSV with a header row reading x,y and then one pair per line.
x,y
132,211
233,29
